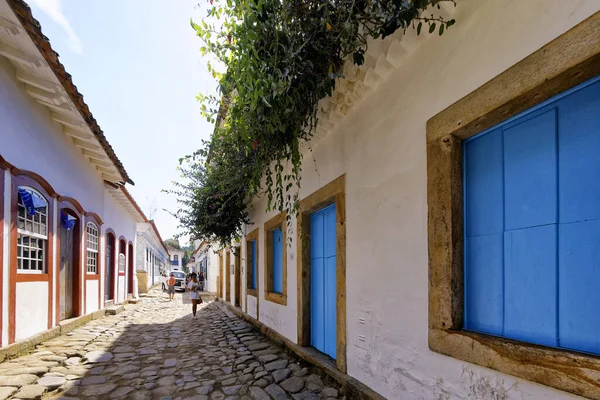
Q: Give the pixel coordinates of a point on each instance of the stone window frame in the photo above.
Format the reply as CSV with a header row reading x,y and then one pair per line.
x,y
278,221
332,193
252,236
227,275
565,62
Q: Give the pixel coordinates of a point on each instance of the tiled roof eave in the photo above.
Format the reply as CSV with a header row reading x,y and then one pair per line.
x,y
32,27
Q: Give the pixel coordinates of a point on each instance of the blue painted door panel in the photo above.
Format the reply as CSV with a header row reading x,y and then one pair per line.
x,y
579,155
277,261
532,224
323,288
484,283
530,172
485,180
530,284
579,276
254,273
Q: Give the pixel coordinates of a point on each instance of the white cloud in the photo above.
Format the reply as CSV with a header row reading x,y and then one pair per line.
x,y
52,9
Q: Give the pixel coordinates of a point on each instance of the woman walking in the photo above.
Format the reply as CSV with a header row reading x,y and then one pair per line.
x,y
193,287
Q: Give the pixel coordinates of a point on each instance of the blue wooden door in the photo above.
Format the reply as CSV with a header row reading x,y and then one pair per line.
x,y
323,315
532,224
277,261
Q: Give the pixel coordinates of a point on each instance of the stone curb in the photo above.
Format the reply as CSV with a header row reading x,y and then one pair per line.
x,y
26,345
353,388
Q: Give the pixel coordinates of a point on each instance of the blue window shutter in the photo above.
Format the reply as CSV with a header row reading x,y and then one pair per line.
x,y
530,194
317,318
484,222
329,274
277,248
323,289
579,217
532,224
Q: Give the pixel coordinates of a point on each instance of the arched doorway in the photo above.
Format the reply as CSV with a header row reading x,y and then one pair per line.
x,y
109,276
131,271
121,262
69,267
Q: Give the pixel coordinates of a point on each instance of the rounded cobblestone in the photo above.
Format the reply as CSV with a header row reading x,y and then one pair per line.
x,y
155,350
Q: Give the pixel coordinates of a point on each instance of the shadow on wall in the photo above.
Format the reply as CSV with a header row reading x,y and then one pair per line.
x,y
217,355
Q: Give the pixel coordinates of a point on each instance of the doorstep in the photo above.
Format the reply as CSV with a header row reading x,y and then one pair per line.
x,y
352,387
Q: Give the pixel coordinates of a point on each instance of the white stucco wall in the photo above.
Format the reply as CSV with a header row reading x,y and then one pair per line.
x,y
31,315
50,153
91,296
121,293
380,146
123,224
5,267
252,306
212,269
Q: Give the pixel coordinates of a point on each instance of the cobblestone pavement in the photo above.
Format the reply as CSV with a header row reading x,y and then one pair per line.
x,y
154,350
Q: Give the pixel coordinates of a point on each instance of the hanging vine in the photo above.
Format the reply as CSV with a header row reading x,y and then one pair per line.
x,y
281,57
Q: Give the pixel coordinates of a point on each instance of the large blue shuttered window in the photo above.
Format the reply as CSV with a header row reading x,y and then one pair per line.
x,y
277,249
532,224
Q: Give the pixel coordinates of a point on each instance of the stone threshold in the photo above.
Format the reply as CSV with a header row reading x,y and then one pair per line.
x,y
351,387
26,345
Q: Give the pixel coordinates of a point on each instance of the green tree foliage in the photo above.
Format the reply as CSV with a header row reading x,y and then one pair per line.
x,y
281,57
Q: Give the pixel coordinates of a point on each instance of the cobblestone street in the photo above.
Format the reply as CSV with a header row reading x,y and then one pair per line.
x,y
154,350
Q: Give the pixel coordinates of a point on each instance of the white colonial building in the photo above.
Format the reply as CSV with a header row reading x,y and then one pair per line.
x,y
67,222
447,244
175,255
152,256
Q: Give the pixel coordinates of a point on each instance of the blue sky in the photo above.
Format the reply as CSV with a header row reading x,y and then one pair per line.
x,y
138,66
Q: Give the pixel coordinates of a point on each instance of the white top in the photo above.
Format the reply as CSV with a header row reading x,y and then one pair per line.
x,y
192,287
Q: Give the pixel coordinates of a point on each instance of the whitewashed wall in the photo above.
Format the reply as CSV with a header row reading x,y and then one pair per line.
x,y
122,223
91,296
212,269
5,267
31,315
48,151
380,146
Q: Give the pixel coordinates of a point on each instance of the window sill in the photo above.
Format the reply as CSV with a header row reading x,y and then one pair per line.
x,y
276,298
32,277
251,292
562,369
92,276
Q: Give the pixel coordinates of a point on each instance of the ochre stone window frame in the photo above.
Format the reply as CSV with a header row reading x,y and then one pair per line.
x,y
277,221
227,274
567,61
332,193
252,236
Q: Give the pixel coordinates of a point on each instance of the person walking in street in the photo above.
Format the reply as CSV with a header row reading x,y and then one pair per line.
x,y
193,287
171,286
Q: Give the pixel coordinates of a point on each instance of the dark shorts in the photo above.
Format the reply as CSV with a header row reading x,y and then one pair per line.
x,y
171,289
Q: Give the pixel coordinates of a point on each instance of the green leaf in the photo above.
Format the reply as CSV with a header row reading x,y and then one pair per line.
x,y
441,29
432,28
419,26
